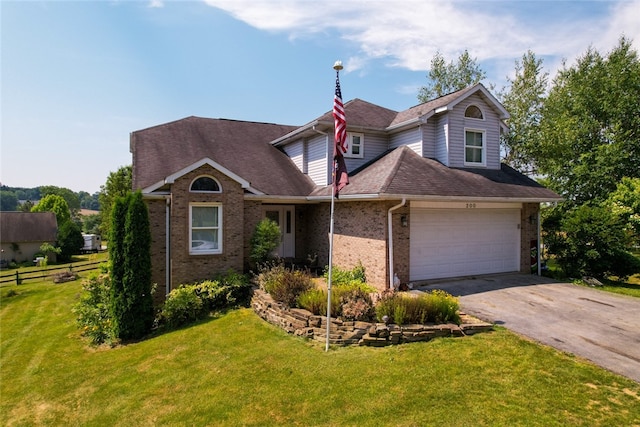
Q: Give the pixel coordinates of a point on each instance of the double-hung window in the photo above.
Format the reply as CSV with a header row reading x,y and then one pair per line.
x,y
355,145
205,226
474,147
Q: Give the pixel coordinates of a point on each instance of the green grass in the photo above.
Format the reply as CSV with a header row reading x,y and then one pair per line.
x,y
235,369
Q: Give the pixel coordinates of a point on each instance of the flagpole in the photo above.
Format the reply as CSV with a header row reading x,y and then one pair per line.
x,y
337,66
330,277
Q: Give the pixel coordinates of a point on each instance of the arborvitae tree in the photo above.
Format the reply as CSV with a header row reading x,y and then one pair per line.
x,y
137,271
130,253
116,257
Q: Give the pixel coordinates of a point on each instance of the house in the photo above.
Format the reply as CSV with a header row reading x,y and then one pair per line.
x,y
428,197
22,234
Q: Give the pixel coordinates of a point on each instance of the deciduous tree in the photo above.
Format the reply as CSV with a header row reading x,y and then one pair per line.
x,y
446,78
118,184
590,127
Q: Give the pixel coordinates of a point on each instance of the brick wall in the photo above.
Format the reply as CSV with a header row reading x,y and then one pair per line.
x,y
157,222
186,268
528,233
360,235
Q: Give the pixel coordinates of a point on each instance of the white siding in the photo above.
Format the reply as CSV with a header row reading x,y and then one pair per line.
x,y
490,124
428,132
317,166
374,145
295,151
411,138
442,139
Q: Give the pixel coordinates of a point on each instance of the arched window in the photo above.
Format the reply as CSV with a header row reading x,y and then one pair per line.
x,y
205,184
473,112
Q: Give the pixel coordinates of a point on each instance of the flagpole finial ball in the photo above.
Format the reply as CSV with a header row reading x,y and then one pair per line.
x,y
338,66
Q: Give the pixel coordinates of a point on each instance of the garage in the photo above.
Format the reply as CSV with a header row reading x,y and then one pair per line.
x,y
463,242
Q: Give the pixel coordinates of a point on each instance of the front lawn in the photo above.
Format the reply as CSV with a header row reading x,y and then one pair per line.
x,y
235,369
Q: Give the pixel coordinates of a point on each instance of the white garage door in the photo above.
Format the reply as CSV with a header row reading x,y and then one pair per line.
x,y
463,242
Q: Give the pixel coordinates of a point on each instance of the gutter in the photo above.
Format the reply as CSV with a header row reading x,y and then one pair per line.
x,y
390,237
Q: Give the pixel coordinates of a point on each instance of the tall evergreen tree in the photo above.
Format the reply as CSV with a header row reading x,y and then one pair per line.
x,y
137,272
118,301
130,252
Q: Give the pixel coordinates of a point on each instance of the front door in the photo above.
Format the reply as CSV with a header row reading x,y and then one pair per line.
x,y
285,218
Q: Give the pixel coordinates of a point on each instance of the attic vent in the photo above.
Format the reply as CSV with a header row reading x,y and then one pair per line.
x,y
473,112
205,184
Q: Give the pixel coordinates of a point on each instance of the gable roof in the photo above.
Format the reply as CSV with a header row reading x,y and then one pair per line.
x,y
239,147
402,172
23,227
363,115
447,102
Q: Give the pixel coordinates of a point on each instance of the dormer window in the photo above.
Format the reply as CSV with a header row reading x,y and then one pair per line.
x,y
473,112
355,145
474,147
205,184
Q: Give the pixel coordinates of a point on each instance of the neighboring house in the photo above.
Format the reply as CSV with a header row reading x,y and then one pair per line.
x,y
22,234
428,197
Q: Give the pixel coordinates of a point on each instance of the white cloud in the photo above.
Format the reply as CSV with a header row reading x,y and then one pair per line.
x,y
156,3
407,33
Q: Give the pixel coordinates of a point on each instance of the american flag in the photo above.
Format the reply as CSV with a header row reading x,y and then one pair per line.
x,y
339,175
340,121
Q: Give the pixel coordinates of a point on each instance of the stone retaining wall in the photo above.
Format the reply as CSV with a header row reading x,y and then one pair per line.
x,y
303,323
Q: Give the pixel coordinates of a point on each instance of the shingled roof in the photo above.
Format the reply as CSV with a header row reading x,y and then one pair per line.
x,y
24,227
402,172
241,147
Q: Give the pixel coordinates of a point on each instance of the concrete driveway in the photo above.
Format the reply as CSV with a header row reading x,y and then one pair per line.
x,y
599,326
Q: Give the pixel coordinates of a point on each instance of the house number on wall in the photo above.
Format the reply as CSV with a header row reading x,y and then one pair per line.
x,y
471,205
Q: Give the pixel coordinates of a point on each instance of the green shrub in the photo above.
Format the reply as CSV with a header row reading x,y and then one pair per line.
x,y
284,285
191,302
92,312
182,306
589,241
265,239
230,290
341,276
430,307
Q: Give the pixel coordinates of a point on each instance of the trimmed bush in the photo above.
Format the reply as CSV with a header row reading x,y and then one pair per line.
x,y
182,306
191,302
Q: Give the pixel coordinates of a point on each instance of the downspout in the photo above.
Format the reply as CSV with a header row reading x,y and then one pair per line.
x,y
167,243
390,233
539,237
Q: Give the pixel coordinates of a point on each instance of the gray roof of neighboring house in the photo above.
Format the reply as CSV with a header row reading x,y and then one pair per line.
x,y
241,147
22,227
402,172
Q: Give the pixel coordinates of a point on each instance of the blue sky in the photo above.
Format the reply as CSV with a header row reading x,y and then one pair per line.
x,y
78,76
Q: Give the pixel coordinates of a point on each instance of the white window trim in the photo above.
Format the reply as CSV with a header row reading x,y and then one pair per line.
x,y
474,118
204,191
219,228
484,147
349,153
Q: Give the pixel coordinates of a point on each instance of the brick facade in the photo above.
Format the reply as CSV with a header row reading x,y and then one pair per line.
x,y
360,234
528,236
